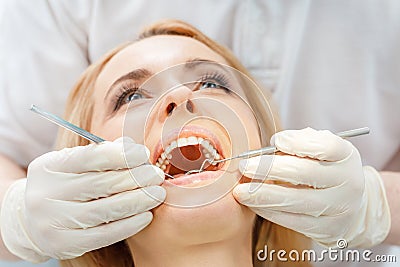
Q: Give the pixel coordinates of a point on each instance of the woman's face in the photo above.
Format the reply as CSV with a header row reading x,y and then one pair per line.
x,y
173,94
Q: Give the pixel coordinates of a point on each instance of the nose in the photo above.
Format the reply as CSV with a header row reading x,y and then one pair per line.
x,y
177,99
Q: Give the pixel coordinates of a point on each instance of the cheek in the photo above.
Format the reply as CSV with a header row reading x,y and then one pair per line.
x,y
134,123
245,124
129,124
110,129
252,129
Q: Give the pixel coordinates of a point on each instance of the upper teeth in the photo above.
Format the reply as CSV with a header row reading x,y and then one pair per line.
x,y
208,150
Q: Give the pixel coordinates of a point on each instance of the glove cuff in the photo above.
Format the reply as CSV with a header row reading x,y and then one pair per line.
x,y
13,227
377,219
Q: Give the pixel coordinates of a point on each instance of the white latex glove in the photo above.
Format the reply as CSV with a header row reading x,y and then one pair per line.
x,y
330,197
80,199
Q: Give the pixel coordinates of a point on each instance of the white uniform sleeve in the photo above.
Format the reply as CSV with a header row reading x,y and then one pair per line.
x,y
43,50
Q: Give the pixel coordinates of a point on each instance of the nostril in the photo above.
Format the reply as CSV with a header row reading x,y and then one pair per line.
x,y
170,108
189,106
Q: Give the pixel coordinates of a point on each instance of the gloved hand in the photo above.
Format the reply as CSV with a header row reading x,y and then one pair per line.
x,y
80,199
321,189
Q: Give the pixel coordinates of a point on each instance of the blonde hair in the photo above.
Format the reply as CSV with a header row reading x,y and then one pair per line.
x,y
79,112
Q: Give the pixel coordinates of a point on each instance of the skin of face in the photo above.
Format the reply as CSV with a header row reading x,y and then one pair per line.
x,y
148,120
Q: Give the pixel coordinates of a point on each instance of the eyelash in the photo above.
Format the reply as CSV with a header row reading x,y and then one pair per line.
x,y
218,79
124,92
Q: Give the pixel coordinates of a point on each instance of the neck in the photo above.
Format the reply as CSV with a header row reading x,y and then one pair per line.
x,y
223,253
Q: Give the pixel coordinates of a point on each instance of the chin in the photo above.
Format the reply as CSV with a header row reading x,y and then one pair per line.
x,y
218,221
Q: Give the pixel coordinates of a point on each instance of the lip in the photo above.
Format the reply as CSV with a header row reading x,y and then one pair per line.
x,y
194,180
186,131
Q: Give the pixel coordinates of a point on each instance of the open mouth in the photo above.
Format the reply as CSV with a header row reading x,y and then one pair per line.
x,y
186,151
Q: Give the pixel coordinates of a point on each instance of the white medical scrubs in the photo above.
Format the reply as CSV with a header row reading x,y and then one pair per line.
x,y
329,64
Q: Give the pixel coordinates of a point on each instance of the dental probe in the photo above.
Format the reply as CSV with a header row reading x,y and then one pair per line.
x,y
69,126
273,149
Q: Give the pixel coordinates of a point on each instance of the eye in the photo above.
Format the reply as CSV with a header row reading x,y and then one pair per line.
x,y
209,84
133,96
214,81
127,96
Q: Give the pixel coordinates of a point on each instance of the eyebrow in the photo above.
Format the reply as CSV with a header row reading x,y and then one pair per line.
x,y
137,75
193,63
141,74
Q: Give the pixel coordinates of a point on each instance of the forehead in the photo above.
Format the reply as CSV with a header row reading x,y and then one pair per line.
x,y
155,54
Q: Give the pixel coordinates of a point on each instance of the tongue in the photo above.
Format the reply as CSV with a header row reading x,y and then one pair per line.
x,y
190,152
185,159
